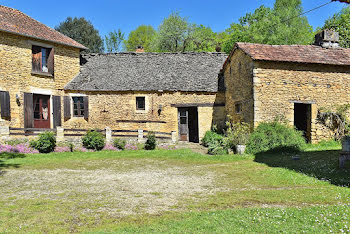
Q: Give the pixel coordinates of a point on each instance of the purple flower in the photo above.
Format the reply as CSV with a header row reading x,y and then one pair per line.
x,y
130,147
20,148
60,149
82,149
110,148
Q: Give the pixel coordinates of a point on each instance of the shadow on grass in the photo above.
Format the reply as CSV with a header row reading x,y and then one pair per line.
x,y
322,164
4,157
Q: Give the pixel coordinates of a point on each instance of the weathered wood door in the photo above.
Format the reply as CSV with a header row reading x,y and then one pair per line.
x,y
183,124
41,111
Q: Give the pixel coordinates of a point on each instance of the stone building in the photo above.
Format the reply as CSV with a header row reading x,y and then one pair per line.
x,y
36,62
294,81
162,92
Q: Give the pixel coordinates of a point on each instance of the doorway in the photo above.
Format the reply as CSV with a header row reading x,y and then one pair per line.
x,y
41,105
302,119
188,124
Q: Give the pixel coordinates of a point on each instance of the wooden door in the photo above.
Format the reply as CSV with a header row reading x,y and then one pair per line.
x,y
41,111
183,124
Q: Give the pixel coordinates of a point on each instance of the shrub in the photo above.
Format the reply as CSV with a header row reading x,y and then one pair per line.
x,y
14,142
151,142
46,142
236,134
109,147
211,137
20,149
217,148
93,140
130,147
275,136
119,144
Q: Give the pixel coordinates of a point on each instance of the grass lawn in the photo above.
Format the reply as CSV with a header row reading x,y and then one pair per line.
x,y
175,191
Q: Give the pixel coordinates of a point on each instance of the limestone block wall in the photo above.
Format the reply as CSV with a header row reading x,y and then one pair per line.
x,y
16,68
277,86
117,110
238,75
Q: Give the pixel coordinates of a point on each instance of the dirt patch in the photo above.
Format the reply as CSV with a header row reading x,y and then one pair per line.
x,y
149,188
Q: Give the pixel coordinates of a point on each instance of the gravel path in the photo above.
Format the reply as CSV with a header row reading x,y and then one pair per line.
x,y
149,188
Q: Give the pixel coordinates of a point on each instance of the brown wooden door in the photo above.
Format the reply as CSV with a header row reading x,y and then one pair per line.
x,y
41,111
183,124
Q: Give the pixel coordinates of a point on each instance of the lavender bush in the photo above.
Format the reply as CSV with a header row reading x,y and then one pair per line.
x,y
61,149
110,148
20,148
129,146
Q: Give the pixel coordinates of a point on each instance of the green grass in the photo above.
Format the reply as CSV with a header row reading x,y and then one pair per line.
x,y
268,192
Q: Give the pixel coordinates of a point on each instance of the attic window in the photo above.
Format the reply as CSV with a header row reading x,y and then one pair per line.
x,y
140,103
42,60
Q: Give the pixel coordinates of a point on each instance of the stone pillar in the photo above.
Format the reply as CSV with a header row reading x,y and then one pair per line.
x,y
173,136
59,134
4,133
108,135
140,135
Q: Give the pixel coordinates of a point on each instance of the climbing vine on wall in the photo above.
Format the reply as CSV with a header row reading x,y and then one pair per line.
x,y
336,120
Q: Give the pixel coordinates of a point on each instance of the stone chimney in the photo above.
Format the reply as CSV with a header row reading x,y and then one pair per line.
x,y
140,49
327,39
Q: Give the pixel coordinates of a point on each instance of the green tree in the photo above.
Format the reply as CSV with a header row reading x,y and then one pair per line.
x,y
203,39
280,25
141,36
174,34
340,22
113,41
82,31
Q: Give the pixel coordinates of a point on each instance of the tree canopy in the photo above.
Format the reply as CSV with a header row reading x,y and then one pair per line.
x,y
340,22
280,25
113,41
141,36
82,31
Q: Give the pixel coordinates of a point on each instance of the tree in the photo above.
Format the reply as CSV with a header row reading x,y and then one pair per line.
x,y
141,36
340,22
203,39
280,25
82,31
174,34
113,41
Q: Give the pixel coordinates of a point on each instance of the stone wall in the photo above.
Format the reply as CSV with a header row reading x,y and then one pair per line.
x,y
117,110
277,86
239,87
16,68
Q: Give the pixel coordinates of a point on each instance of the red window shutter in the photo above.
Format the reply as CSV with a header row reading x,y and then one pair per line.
x,y
86,107
36,58
5,104
51,61
28,110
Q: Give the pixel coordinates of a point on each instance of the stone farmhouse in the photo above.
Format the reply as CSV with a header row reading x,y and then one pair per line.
x,y
45,84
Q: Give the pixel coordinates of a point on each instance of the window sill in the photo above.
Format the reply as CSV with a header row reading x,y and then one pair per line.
x,y
41,74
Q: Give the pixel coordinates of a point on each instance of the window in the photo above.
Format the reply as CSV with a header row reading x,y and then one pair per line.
x,y
238,108
140,103
78,107
42,59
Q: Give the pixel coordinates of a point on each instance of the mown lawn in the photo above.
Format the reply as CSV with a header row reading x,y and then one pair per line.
x,y
175,191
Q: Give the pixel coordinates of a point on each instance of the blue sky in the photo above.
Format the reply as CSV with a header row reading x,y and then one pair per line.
x,y
107,15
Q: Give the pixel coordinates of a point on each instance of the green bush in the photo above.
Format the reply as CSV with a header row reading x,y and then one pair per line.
x,y
275,136
93,140
46,142
236,134
151,142
217,148
119,144
211,137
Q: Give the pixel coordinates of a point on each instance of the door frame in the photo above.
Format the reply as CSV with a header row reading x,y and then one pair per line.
x,y
50,109
179,125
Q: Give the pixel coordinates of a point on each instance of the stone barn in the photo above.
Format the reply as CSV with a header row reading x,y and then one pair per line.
x,y
161,92
294,81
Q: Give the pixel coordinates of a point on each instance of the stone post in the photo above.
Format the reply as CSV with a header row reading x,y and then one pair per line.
x,y
108,135
59,134
140,135
173,136
4,133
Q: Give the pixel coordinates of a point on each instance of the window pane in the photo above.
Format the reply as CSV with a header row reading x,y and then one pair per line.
x,y
183,120
75,112
44,57
82,113
82,106
140,103
183,113
36,115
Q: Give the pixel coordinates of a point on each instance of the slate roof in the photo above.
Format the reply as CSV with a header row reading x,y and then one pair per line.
x,y
14,21
149,72
296,53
